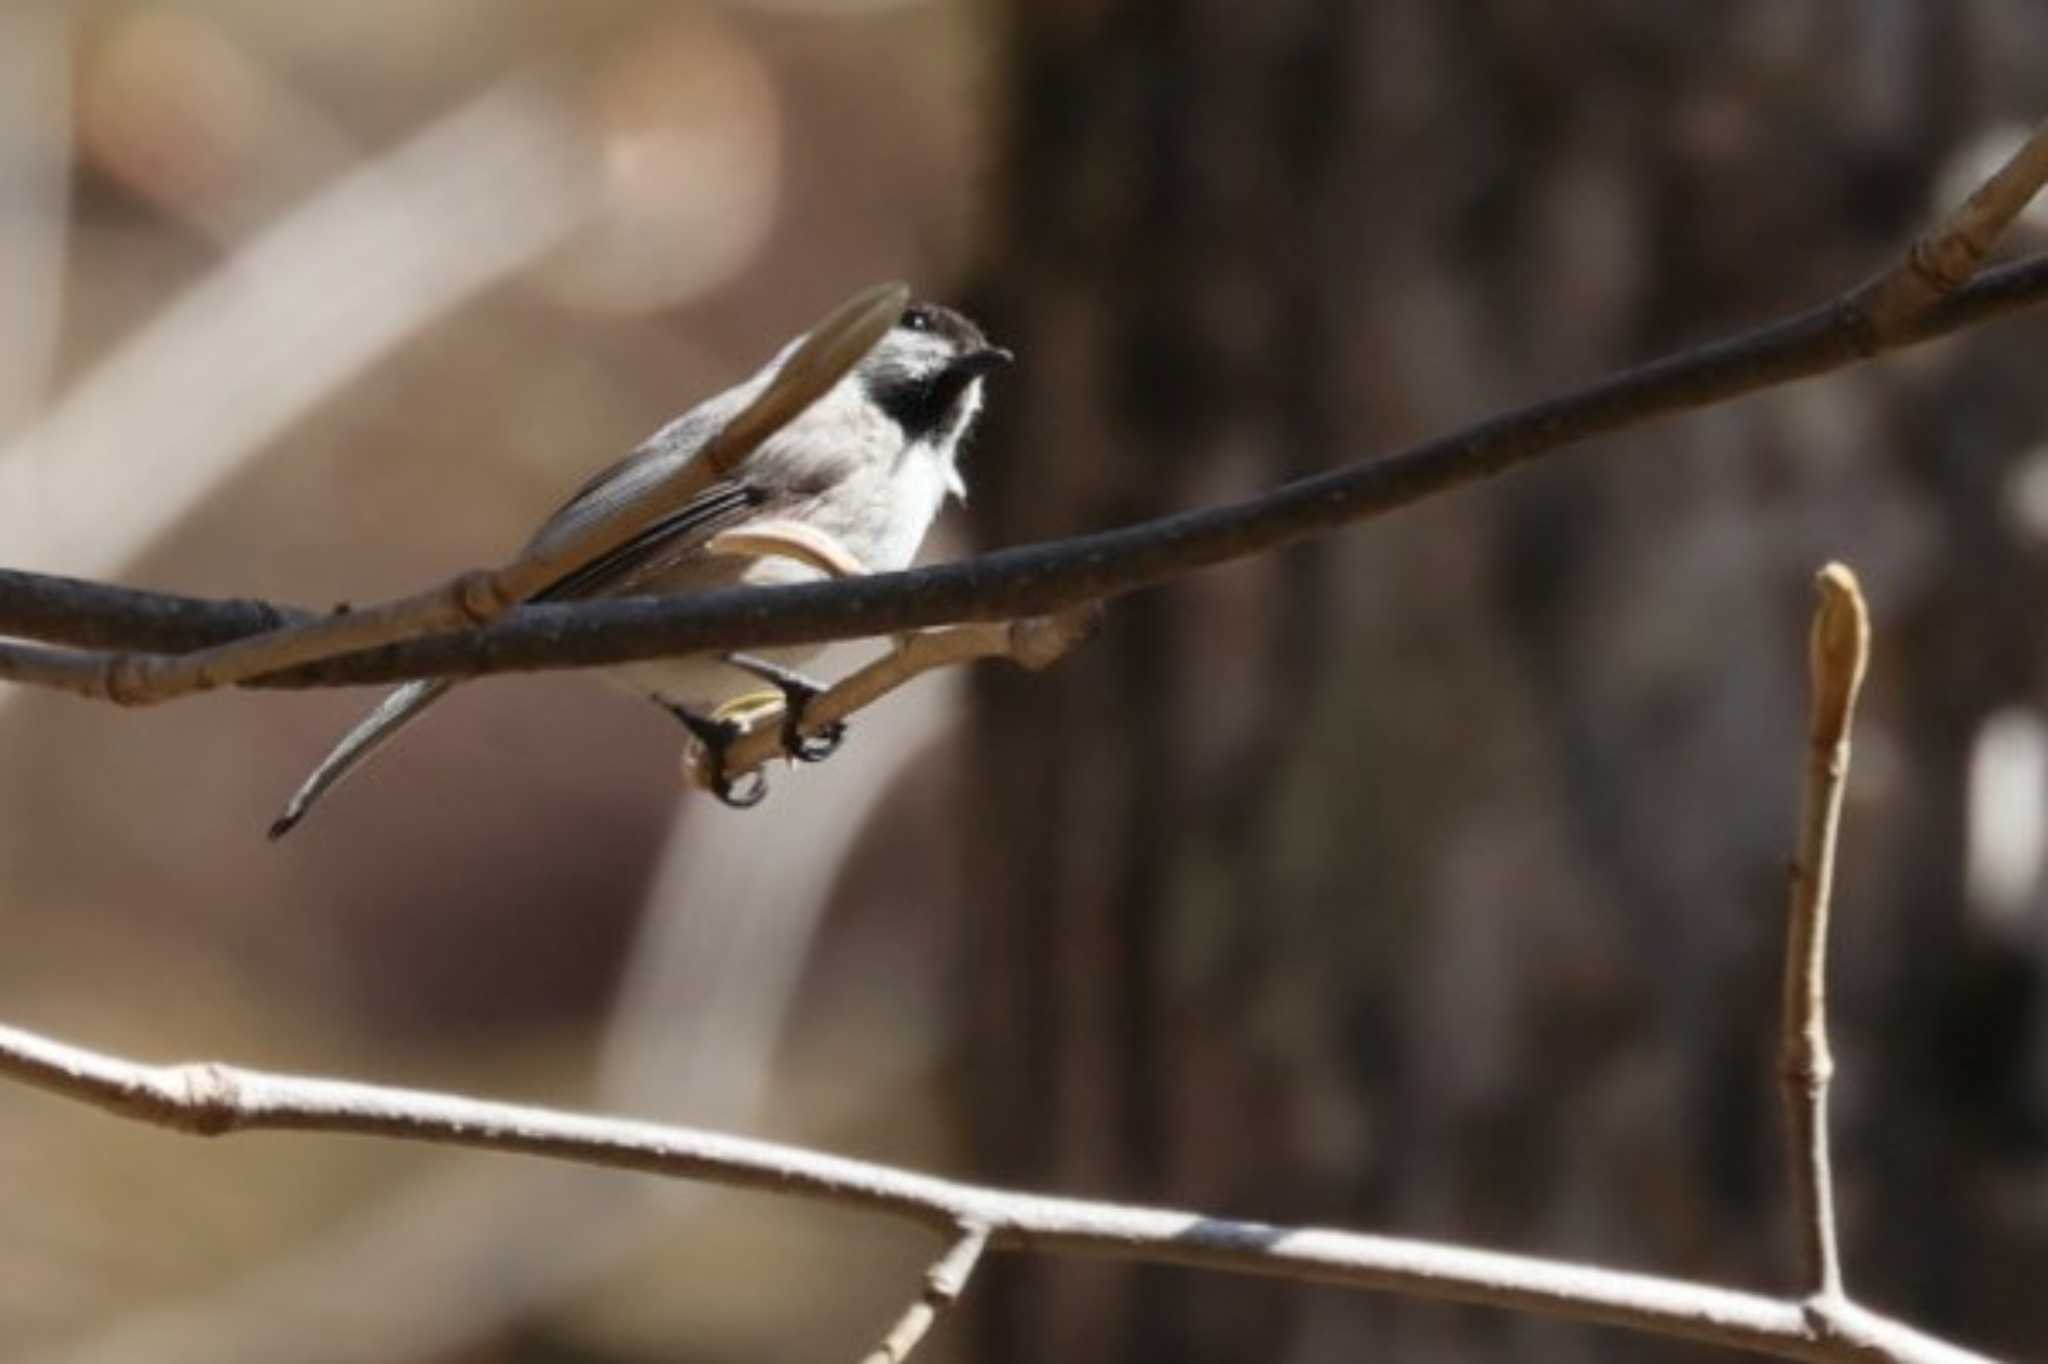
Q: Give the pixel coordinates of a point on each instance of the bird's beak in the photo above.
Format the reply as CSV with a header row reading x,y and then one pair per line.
x,y
976,363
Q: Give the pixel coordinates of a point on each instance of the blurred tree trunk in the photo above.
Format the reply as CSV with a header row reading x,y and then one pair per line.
x,y
1178,323
1431,882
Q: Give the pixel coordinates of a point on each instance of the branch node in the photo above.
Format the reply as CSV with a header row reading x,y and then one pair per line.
x,y
947,1279
125,680
477,595
1037,642
1947,261
1822,1314
1810,1066
944,1282
206,1096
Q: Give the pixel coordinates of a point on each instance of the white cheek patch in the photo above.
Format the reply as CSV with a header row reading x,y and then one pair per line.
x,y
970,408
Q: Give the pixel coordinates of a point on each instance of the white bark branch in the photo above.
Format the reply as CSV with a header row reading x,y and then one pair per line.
x,y
212,1100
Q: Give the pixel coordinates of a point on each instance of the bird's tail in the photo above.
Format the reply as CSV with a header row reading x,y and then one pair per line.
x,y
380,724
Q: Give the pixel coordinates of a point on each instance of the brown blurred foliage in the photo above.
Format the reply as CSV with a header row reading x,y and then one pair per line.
x,y
1428,880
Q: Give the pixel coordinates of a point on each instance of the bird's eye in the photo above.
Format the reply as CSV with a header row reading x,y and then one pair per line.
x,y
918,319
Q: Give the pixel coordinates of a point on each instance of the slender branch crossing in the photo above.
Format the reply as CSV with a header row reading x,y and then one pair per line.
x,y
1931,292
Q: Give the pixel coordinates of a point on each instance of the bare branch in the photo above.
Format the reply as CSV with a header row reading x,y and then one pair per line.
x,y
944,1282
72,670
60,610
1042,579
1034,643
212,1099
1837,654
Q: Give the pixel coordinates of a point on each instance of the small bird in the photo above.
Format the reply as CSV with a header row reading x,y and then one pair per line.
x,y
868,465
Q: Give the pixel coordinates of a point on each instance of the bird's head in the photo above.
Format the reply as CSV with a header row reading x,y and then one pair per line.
x,y
926,372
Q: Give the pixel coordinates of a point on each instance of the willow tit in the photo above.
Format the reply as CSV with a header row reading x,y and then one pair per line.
x,y
868,464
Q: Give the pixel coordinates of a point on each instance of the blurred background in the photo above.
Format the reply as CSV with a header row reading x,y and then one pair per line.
x,y
1428,880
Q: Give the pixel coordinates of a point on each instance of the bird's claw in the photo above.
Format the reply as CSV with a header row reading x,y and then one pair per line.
x,y
808,748
798,692
743,794
716,736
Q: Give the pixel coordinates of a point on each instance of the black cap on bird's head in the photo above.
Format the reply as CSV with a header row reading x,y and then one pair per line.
x,y
923,369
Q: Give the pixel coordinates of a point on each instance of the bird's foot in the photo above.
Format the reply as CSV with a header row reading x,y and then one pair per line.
x,y
798,692
715,734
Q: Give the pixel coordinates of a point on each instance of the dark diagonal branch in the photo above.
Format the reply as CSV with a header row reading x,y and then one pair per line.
x,y
1929,293
90,615
1034,579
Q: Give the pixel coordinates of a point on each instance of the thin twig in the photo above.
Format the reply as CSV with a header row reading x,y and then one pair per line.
x,y
1034,643
211,1099
1837,653
944,1282
1943,259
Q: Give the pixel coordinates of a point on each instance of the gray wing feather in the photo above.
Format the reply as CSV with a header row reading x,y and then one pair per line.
x,y
668,449
658,546
366,738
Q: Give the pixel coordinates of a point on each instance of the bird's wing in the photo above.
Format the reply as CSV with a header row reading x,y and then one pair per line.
x,y
659,547
679,443
795,463
654,550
